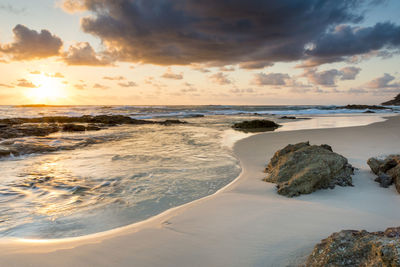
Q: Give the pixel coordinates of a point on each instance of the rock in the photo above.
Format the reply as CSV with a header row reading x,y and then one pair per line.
x,y
288,118
69,127
363,107
169,122
256,125
393,102
369,111
328,147
93,127
22,130
303,168
388,170
384,180
5,152
358,248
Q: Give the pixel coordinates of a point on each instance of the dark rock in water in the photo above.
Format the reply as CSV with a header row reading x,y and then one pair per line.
x,y
393,102
21,127
69,127
358,248
362,107
388,170
384,180
369,111
93,127
288,118
14,131
169,122
256,126
303,168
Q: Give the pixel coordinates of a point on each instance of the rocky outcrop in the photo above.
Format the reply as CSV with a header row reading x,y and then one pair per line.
x,y
358,248
363,107
256,126
288,118
303,168
387,170
103,119
43,126
70,127
393,102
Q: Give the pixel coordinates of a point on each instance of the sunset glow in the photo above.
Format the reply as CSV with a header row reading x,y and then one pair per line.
x,y
48,90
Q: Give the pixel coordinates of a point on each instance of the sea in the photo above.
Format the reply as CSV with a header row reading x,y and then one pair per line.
x,y
97,181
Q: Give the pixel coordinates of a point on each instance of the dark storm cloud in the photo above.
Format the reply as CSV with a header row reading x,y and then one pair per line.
x,y
253,33
29,44
345,40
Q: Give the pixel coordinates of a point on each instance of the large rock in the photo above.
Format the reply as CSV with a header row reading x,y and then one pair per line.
x,y
303,168
363,107
393,102
358,248
387,170
255,126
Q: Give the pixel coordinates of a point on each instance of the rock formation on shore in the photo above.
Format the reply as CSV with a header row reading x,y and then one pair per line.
x,y
387,170
303,168
363,107
256,126
22,127
358,248
393,102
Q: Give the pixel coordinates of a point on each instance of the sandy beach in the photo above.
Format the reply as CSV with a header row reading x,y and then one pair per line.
x,y
246,223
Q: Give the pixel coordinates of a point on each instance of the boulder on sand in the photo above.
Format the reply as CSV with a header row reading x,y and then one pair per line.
x,y
256,126
358,248
303,168
387,170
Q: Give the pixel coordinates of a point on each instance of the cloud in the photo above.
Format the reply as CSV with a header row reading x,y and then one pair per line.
x,y
170,75
115,78
220,78
6,85
345,41
35,72
100,86
253,33
127,84
349,73
385,81
25,83
255,65
271,79
330,77
82,53
30,44
73,6
225,68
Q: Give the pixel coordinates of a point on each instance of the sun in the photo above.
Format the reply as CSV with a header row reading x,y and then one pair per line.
x,y
48,90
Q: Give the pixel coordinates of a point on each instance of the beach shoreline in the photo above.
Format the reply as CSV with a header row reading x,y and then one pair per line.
x,y
245,222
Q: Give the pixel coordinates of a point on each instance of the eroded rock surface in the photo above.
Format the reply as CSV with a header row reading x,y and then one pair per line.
x,y
256,126
358,248
387,170
303,168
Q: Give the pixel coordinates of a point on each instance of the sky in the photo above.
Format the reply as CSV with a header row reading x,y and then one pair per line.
x,y
190,52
